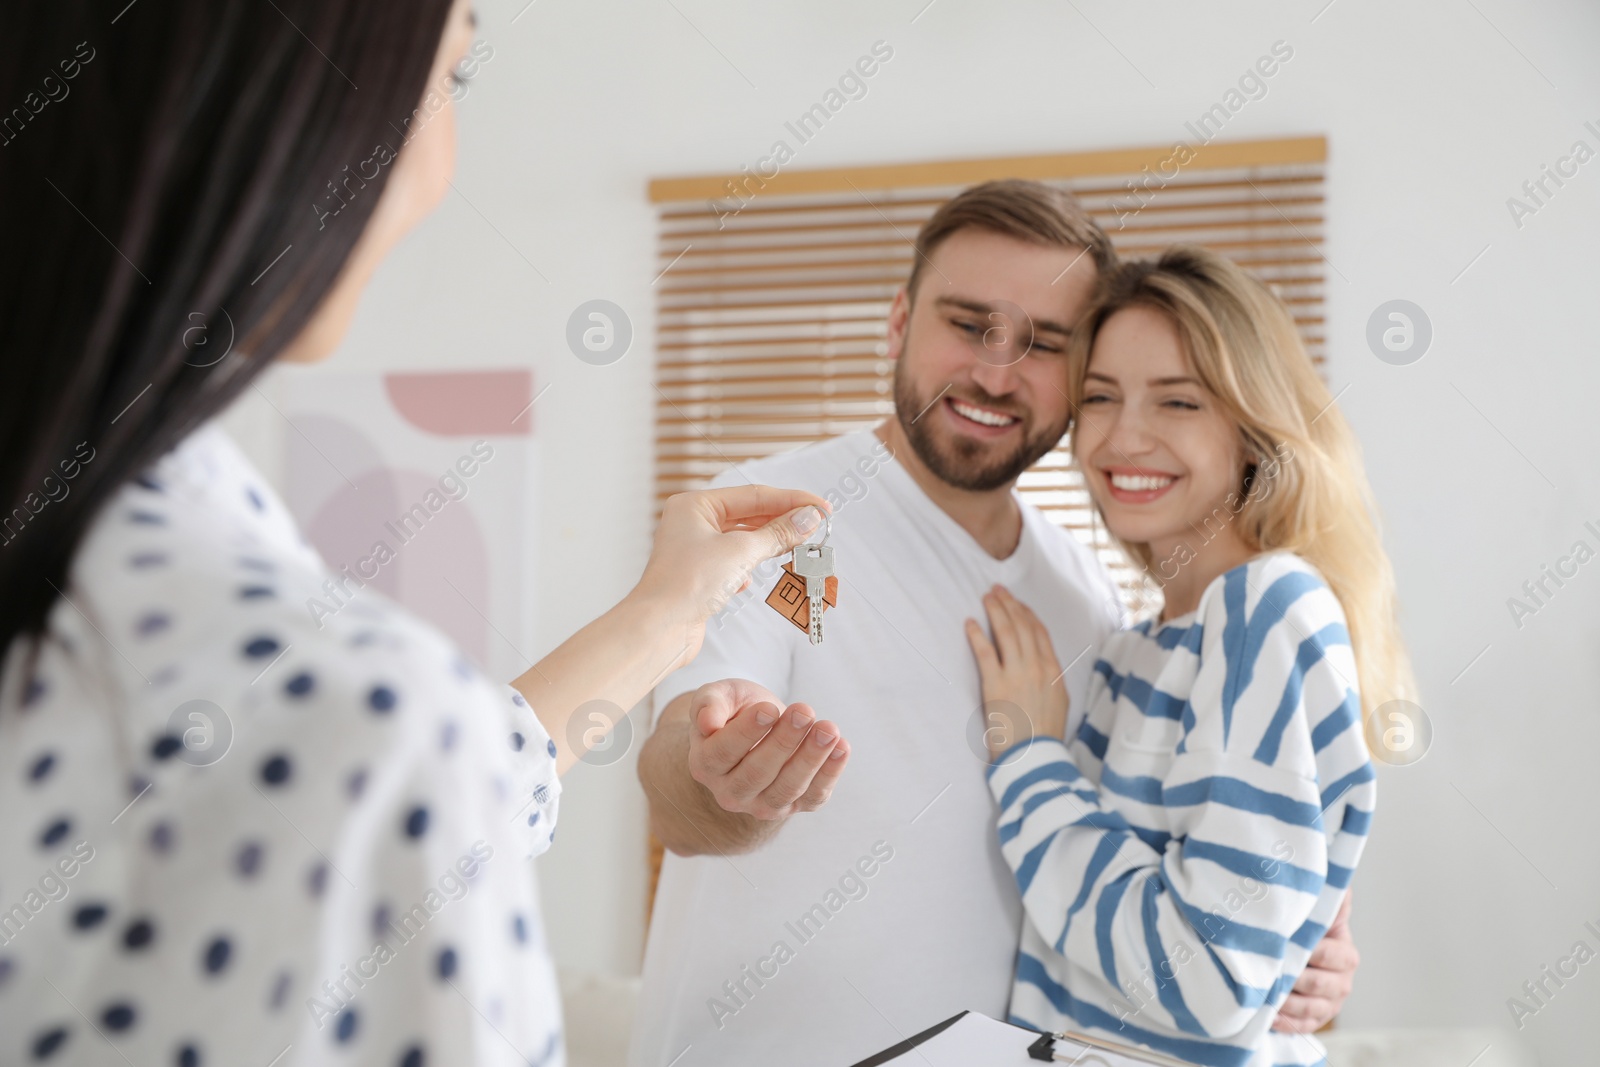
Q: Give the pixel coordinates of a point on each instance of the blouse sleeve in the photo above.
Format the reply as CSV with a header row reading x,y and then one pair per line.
x,y
1268,799
534,783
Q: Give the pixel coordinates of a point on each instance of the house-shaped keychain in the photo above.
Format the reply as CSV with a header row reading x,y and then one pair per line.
x,y
789,598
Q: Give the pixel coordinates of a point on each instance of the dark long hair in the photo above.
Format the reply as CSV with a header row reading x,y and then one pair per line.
x,y
165,177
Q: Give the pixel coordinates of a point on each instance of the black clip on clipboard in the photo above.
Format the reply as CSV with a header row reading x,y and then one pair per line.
x,y
1045,1049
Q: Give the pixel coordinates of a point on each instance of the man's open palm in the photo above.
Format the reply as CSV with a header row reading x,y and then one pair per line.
x,y
758,760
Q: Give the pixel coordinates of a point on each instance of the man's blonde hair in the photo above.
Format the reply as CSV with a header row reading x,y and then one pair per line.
x,y
1014,207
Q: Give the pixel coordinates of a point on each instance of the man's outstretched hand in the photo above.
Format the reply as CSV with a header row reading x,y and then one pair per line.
x,y
757,760
1326,982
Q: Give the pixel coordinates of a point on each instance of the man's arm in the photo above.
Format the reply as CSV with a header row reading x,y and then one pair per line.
x,y
725,768
1322,988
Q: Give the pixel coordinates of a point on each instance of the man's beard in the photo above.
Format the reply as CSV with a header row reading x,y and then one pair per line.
x,y
962,464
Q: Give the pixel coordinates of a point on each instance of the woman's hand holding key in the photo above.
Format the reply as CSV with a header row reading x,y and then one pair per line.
x,y
759,761
709,541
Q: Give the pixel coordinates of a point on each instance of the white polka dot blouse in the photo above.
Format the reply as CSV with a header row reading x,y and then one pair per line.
x,y
234,833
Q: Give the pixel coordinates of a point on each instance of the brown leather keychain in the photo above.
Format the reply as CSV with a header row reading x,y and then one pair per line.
x,y
807,586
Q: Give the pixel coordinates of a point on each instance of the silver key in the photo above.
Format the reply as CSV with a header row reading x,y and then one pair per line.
x,y
814,563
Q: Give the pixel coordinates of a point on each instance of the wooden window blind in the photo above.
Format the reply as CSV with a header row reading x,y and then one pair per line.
x,y
773,294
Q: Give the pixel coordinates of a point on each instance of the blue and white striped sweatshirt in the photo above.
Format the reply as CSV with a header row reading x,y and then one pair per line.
x,y
1182,856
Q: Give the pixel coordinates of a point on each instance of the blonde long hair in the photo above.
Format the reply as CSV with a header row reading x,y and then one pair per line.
x,y
1245,349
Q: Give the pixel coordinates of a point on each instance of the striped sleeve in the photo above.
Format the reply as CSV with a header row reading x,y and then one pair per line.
x,y
1267,803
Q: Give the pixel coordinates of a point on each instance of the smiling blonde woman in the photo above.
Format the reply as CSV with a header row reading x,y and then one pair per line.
x,y
1182,855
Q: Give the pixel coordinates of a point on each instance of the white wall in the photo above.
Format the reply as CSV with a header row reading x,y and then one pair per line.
x,y
1484,865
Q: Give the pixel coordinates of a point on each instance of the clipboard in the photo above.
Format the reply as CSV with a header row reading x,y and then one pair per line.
x,y
970,1037
894,1052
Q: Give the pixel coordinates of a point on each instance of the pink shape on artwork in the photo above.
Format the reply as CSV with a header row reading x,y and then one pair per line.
x,y
465,403
438,565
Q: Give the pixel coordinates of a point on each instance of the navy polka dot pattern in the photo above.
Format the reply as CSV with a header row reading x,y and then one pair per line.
x,y
33,691
330,853
55,833
118,1017
49,1042
416,822
257,647
217,954
153,623
42,767
138,935
276,770
280,990
248,859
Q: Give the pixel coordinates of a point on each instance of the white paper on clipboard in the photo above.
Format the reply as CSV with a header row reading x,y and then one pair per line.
x,y
974,1039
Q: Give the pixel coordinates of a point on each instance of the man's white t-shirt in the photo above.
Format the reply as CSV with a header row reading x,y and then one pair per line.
x,y
891,908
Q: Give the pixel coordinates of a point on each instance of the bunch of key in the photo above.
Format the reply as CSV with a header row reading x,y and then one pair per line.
x,y
808,586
